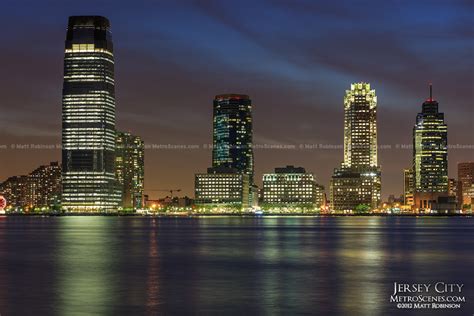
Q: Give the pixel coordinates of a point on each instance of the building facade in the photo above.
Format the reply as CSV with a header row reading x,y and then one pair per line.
x,y
466,180
88,117
15,191
229,182
291,187
130,169
232,133
357,181
222,187
44,186
430,149
408,187
39,189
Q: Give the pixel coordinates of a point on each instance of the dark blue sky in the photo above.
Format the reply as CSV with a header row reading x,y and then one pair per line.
x,y
294,58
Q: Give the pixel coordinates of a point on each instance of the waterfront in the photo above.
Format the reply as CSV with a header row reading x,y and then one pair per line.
x,y
228,265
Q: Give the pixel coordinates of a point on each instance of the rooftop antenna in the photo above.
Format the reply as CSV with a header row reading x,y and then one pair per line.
x,y
431,91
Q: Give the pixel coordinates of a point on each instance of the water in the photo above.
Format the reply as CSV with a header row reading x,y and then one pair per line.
x,y
227,265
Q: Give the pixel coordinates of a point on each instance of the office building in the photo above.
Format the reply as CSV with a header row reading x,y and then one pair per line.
x,y
430,149
88,117
222,187
430,159
232,133
229,182
291,187
466,180
357,181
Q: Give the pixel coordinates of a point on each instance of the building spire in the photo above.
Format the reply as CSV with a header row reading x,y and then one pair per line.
x,y
431,91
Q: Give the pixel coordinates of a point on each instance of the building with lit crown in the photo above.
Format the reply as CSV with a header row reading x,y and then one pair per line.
x,y
357,181
291,187
88,117
130,169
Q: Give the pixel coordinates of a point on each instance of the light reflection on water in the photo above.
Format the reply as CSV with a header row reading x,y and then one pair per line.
x,y
226,265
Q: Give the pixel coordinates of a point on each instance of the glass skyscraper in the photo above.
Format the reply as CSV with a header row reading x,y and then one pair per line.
x,y
88,117
430,149
229,182
232,133
357,181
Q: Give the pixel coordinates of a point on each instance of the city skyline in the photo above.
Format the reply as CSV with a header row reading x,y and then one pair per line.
x,y
305,113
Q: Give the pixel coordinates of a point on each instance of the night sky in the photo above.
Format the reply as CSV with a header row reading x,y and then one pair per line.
x,y
294,58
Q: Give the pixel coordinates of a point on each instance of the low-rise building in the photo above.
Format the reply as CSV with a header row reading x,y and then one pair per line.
x,y
291,187
353,187
222,187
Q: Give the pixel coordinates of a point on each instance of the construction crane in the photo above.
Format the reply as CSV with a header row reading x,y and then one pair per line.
x,y
166,190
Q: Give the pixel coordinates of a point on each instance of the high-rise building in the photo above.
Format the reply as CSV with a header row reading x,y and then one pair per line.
x,y
44,185
39,189
357,181
291,187
222,187
130,169
430,149
15,191
88,115
408,187
232,133
466,180
430,160
232,156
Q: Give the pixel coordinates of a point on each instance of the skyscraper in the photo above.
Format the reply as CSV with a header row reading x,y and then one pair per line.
x,y
357,181
229,182
88,134
430,149
130,169
232,133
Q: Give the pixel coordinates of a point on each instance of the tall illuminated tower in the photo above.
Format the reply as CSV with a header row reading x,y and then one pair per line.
x,y
357,181
232,133
430,149
360,127
88,116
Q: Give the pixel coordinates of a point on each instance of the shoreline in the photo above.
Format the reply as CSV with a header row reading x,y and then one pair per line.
x,y
191,215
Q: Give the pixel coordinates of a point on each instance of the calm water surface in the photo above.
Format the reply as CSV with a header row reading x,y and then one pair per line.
x,y
227,265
